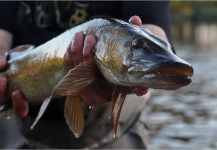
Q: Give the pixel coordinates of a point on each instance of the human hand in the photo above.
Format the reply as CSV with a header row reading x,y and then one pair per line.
x,y
20,104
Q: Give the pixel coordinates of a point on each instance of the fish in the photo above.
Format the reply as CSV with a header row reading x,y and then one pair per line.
x,y
125,55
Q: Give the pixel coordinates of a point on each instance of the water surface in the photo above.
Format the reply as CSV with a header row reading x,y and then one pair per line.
x,y
187,117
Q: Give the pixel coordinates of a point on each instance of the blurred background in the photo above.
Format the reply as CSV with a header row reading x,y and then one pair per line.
x,y
187,118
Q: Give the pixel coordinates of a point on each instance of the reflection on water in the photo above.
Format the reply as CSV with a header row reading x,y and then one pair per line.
x,y
187,118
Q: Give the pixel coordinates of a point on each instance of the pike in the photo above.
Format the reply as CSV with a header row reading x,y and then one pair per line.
x,y
125,55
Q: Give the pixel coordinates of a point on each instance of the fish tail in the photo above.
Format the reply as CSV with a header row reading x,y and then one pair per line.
x,y
6,111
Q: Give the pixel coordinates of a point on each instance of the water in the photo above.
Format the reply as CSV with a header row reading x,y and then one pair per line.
x,y
187,117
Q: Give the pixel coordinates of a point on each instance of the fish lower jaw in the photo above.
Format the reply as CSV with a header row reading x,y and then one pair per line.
x,y
154,81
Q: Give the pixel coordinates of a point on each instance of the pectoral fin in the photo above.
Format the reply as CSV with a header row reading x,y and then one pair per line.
x,y
74,114
118,98
81,78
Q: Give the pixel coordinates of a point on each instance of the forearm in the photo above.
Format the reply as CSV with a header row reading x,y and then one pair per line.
x,y
5,41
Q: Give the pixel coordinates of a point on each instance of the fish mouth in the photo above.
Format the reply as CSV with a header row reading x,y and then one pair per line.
x,y
162,76
169,78
171,72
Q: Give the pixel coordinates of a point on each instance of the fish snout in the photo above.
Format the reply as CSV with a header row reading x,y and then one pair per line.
x,y
162,68
176,68
162,74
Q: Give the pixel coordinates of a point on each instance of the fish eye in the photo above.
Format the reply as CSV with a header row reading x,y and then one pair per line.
x,y
137,43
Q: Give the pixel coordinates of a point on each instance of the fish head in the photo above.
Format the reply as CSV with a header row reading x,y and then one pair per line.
x,y
152,63
129,55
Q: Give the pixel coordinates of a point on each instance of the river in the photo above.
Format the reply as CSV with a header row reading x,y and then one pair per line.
x,y
187,117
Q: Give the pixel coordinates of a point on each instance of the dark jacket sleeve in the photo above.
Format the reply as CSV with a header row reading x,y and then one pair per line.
x,y
8,15
151,12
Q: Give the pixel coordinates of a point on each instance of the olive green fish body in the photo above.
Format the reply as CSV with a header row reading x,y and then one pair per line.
x,y
38,70
125,55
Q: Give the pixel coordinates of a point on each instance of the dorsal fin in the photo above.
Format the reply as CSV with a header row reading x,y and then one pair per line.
x,y
22,48
16,51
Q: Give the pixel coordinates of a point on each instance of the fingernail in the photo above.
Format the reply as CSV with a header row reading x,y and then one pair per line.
x,y
132,18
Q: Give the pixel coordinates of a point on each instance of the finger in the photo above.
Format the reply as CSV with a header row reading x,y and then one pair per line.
x,y
3,85
102,93
3,62
135,20
140,90
88,48
100,96
20,104
107,87
77,48
87,98
69,59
